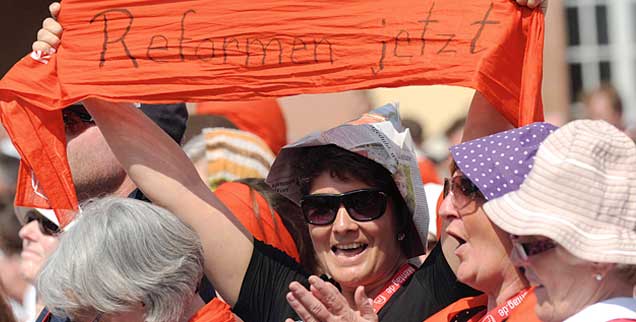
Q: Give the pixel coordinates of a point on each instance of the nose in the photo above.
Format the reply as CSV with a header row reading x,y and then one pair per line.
x,y
343,222
30,231
447,210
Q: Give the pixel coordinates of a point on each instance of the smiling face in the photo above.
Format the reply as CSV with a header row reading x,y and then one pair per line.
x,y
483,249
564,283
356,253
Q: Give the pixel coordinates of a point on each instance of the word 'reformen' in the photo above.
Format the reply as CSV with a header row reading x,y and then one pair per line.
x,y
257,49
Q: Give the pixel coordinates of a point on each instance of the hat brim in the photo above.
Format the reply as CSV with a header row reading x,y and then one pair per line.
x,y
521,214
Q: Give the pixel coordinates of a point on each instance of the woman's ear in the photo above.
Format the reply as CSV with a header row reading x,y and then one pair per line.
x,y
602,269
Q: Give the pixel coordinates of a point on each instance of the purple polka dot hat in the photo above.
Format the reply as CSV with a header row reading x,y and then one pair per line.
x,y
498,163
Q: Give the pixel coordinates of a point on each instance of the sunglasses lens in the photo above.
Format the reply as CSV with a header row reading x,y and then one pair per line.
x,y
447,187
320,210
537,247
45,225
365,205
48,227
467,187
521,252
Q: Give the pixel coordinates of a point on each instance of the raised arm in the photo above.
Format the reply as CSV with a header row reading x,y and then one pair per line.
x,y
167,177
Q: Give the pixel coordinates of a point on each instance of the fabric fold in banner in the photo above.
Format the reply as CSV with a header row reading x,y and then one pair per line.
x,y
193,50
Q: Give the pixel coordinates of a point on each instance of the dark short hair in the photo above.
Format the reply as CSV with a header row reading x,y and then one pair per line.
x,y
345,165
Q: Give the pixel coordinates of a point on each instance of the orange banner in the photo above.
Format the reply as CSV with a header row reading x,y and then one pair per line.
x,y
157,51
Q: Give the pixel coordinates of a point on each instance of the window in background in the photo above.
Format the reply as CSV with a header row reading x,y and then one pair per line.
x,y
601,47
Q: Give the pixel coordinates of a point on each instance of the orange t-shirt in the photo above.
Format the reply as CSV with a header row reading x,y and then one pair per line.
x,y
215,311
265,226
428,171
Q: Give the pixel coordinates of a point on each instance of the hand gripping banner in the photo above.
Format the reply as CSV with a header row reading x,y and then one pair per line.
x,y
157,51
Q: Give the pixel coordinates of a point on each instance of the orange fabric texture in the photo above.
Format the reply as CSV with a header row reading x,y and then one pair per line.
x,y
525,312
449,312
215,311
265,226
428,171
194,50
263,118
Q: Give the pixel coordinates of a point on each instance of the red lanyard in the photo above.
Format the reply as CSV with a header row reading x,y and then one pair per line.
x,y
393,286
502,311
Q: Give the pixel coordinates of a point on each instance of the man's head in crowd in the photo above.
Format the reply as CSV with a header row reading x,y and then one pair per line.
x,y
96,172
95,169
604,103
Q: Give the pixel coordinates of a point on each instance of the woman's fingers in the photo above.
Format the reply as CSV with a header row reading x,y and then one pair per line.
x,y
54,9
299,308
306,305
52,26
47,38
534,3
329,295
42,46
365,305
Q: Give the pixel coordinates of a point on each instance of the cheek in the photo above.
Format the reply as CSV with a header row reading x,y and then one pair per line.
x,y
320,237
49,245
384,233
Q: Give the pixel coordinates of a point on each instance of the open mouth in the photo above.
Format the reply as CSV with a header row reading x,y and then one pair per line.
x,y
351,249
459,240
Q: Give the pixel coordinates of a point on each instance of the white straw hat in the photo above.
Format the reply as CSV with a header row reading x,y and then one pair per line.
x,y
581,193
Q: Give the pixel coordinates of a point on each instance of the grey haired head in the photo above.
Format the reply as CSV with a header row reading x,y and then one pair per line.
x,y
121,253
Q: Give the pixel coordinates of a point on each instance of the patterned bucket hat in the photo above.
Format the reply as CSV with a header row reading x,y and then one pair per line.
x,y
581,193
498,163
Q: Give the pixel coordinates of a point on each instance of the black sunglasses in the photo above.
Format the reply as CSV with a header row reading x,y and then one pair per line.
x,y
76,112
47,227
361,205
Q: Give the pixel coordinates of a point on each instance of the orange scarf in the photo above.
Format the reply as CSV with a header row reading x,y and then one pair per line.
x,y
157,51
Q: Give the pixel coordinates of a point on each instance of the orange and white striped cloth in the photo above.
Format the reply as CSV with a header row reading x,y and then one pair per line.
x,y
234,154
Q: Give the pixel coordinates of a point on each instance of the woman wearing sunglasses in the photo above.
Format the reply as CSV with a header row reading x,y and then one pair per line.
x,y
483,169
574,224
40,234
363,227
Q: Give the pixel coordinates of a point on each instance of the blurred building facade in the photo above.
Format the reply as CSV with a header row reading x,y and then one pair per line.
x,y
601,38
